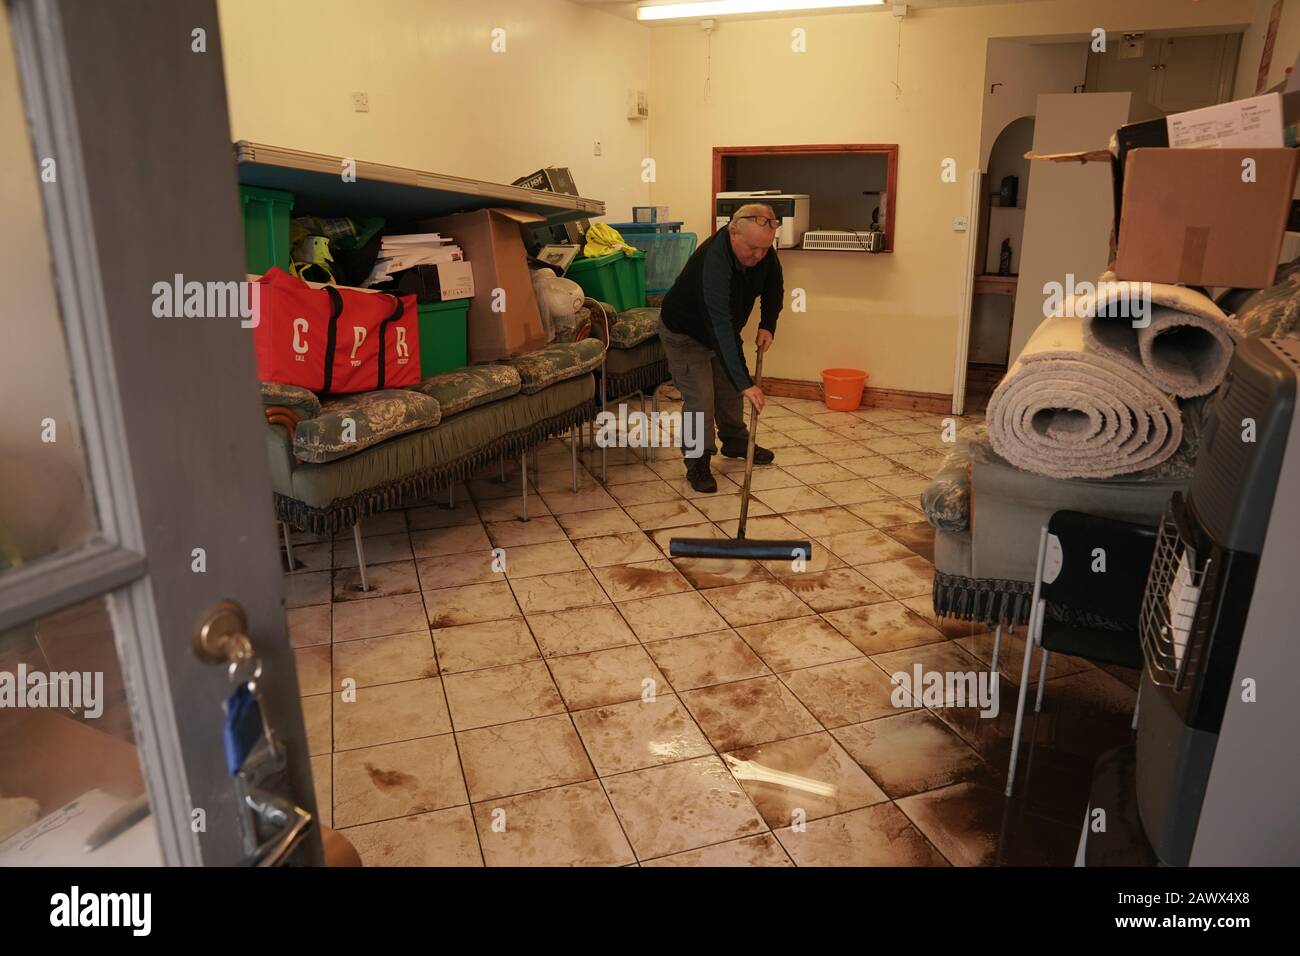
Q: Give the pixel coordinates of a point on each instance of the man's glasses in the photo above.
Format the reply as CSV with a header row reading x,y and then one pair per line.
x,y
764,221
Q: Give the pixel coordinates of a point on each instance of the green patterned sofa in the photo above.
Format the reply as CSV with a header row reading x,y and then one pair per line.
x,y
335,461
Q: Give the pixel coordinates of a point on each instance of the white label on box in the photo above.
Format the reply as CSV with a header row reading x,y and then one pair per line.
x,y
1256,121
455,280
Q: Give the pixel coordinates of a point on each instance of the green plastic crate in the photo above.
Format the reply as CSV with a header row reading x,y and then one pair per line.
x,y
444,344
266,228
617,278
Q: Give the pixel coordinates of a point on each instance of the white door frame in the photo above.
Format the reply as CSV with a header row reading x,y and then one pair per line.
x,y
967,294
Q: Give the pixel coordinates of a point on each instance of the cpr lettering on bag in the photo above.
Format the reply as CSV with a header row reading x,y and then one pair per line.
x,y
300,329
358,336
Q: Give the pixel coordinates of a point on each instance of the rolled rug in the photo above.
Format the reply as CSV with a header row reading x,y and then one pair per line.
x,y
1177,336
1065,411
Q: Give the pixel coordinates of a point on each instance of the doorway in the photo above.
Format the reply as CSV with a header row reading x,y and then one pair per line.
x,y
1000,226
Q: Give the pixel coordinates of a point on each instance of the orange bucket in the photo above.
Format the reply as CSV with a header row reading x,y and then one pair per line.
x,y
842,388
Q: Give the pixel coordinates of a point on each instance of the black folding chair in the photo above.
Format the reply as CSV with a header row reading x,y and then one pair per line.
x,y
1092,571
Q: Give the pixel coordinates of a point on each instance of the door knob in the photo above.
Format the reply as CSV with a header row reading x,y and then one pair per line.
x,y
221,636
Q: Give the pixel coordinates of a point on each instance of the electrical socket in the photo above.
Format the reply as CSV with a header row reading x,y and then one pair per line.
x,y
361,102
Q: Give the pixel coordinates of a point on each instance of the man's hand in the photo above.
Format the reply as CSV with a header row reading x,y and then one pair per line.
x,y
764,340
755,396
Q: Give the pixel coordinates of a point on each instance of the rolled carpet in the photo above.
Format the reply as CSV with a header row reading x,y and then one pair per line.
x,y
1066,411
1177,336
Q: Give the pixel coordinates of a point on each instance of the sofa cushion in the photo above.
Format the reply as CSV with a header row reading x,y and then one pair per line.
x,y
299,399
467,387
323,485
555,363
632,327
352,422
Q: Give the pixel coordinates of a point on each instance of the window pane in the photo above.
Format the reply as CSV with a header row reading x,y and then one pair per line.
x,y
68,755
45,501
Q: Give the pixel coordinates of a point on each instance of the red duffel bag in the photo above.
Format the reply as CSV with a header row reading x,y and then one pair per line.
x,y
334,341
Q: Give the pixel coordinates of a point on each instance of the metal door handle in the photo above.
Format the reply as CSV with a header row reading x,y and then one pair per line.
x,y
292,825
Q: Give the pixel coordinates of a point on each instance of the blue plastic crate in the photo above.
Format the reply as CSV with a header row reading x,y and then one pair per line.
x,y
665,256
670,225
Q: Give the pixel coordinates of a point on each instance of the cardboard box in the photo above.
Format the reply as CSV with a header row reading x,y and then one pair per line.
x,y
1268,120
1188,217
557,179
493,243
648,214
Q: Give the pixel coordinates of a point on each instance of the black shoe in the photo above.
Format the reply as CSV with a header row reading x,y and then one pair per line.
x,y
700,475
762,456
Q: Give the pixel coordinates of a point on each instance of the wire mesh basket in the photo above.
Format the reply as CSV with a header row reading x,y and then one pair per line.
x,y
1168,624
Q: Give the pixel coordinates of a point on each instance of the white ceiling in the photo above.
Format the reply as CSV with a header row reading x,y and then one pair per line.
x,y
627,8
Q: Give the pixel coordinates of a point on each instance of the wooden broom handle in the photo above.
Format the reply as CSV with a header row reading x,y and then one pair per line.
x,y
749,452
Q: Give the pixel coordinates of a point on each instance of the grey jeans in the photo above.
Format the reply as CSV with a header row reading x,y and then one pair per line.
x,y
705,388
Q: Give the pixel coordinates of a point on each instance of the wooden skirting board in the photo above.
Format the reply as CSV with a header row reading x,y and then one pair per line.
x,y
871,397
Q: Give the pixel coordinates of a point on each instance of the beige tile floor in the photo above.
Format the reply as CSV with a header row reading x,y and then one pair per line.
x,y
598,703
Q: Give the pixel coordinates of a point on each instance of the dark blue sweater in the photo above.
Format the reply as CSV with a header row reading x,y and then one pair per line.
x,y
712,298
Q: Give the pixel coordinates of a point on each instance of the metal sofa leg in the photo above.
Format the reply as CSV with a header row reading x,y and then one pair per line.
x,y
574,432
361,555
523,482
288,547
654,418
503,468
997,644
451,496
1137,704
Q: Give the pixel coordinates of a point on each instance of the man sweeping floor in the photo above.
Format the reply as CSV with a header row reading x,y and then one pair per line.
x,y
700,324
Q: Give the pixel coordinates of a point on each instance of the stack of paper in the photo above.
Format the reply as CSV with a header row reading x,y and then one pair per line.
x,y
398,253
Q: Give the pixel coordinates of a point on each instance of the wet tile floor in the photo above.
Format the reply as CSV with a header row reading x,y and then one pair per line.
x,y
599,703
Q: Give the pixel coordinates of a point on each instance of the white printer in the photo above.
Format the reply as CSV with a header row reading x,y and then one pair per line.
x,y
790,208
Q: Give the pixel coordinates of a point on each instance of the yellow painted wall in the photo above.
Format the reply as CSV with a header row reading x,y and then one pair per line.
x,y
440,99
894,315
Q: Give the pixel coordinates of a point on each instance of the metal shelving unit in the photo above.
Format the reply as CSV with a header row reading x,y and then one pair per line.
x,y
395,192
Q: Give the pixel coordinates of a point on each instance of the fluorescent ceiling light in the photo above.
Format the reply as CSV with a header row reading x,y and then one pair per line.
x,y
721,8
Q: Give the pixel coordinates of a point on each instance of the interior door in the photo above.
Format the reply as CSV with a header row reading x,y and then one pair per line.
x,y
135,486
1192,71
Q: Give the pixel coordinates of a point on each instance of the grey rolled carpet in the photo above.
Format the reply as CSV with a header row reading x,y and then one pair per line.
x,y
1066,410
1179,338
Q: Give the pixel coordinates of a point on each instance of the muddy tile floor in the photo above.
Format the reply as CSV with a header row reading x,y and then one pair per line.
x,y
599,703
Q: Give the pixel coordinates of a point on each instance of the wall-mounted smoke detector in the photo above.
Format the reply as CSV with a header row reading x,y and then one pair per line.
x,y
1131,46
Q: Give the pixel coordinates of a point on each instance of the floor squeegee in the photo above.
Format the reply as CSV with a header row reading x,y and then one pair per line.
x,y
742,548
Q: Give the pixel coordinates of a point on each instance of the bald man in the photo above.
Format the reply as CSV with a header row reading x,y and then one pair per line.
x,y
700,324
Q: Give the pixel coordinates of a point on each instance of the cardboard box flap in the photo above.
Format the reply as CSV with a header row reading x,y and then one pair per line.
x,y
516,215
1082,156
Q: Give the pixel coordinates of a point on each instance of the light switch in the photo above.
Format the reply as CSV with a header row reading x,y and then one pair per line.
x,y
960,223
361,102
